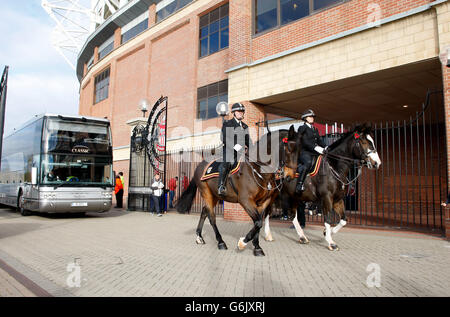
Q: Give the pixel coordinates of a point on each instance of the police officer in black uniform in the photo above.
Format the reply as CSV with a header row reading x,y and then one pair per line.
x,y
312,145
236,139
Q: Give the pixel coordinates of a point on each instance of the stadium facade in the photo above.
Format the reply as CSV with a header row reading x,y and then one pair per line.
x,y
350,60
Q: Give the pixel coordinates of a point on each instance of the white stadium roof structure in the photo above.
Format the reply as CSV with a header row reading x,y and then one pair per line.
x,y
75,20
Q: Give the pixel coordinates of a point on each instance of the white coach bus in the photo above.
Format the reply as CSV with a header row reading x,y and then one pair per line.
x,y
58,164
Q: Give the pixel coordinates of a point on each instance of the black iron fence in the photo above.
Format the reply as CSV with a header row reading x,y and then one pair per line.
x,y
407,190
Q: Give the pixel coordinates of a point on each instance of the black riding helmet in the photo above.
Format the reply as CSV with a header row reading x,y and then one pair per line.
x,y
308,113
237,107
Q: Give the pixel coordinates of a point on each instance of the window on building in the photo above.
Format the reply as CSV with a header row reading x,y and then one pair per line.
x,y
169,9
273,13
214,31
90,62
102,86
134,31
208,97
106,48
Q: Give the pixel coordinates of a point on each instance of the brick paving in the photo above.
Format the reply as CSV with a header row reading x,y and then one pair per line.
x,y
123,253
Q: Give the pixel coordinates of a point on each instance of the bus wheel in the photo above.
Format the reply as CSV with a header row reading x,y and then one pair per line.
x,y
20,206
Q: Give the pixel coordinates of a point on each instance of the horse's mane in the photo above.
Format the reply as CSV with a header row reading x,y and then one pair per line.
x,y
339,141
362,129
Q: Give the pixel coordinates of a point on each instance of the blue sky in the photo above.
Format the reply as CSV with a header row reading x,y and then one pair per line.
x,y
40,80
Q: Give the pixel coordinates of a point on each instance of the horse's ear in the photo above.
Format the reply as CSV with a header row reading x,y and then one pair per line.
x,y
291,134
367,127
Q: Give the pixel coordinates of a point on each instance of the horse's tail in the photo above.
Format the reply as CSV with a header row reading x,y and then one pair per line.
x,y
185,202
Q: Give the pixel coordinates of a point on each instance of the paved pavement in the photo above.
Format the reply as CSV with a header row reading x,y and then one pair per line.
x,y
123,253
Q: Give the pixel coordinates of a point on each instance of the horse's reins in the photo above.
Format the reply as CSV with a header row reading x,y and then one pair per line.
x,y
279,172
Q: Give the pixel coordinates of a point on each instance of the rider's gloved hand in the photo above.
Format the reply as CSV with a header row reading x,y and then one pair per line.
x,y
319,149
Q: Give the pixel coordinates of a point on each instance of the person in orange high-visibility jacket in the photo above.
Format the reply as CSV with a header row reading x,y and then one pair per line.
x,y
119,192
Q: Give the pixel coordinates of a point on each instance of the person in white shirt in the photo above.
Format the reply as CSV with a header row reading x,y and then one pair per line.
x,y
157,189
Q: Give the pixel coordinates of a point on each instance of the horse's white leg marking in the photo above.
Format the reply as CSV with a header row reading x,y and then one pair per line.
x,y
242,244
299,229
267,229
328,234
341,224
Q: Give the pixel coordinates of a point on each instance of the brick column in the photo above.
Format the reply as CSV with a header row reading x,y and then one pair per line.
x,y
446,86
253,114
117,37
240,32
96,55
151,15
443,30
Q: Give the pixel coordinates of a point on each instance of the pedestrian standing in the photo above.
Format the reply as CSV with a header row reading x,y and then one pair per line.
x,y
118,190
157,189
172,187
185,182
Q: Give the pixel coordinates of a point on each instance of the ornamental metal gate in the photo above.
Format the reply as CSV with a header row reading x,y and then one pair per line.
x,y
148,157
182,164
407,190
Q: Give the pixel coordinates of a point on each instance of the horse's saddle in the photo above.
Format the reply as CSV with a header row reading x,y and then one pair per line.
x,y
212,170
315,166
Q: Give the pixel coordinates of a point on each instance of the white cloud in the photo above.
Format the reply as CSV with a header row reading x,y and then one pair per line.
x,y
39,78
30,94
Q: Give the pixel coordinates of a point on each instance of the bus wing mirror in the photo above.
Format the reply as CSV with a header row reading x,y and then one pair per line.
x,y
34,172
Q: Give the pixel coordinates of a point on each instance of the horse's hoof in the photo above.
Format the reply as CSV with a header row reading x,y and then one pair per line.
x,y
258,252
222,246
304,240
241,244
269,238
200,240
333,247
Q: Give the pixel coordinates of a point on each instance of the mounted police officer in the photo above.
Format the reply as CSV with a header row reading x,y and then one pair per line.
x,y
312,145
236,139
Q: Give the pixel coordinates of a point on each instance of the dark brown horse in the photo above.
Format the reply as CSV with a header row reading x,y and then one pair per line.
x,y
254,187
329,186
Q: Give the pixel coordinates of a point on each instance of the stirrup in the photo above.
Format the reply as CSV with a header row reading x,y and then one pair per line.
x,y
299,189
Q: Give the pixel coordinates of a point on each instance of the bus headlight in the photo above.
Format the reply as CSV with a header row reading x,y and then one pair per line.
x,y
106,195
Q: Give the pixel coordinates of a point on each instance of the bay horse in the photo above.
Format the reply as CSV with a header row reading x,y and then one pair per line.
x,y
251,187
329,186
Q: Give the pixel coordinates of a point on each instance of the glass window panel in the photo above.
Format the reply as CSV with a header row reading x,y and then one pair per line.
x,y
224,22
204,20
214,15
320,4
171,8
214,43
213,89
292,10
224,38
204,47
223,86
266,14
202,109
223,97
212,103
224,10
203,32
214,27
183,3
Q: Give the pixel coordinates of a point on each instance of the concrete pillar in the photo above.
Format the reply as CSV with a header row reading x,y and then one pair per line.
x,y
96,55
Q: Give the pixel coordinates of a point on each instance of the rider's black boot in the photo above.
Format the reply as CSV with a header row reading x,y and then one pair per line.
x,y
301,178
223,172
